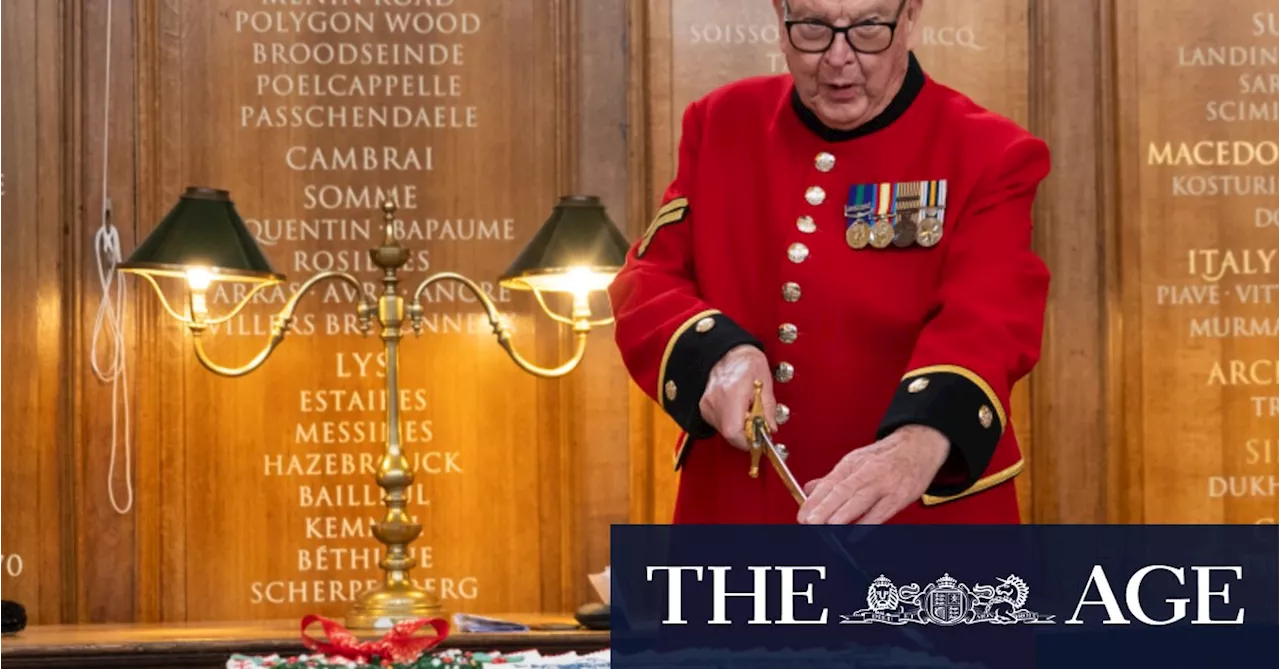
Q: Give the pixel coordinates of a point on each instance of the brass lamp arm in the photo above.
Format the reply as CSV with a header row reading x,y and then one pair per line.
x,y
189,320
281,323
580,327
563,319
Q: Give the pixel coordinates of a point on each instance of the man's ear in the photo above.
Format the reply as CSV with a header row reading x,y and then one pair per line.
x,y
911,16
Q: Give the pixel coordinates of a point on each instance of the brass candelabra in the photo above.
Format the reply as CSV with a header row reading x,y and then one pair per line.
x,y
203,240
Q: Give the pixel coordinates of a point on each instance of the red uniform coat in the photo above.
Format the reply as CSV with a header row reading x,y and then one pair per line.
x,y
751,246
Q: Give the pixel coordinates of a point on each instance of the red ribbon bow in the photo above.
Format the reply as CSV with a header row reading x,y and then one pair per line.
x,y
398,645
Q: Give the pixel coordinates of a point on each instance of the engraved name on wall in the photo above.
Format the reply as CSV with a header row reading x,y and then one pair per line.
x,y
323,112
979,47
1207,104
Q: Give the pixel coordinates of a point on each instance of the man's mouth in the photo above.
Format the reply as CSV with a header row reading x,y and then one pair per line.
x,y
842,91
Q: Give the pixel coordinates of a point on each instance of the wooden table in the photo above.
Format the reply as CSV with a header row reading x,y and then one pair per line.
x,y
210,644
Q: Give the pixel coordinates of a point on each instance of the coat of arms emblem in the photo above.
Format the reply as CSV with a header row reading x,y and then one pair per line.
x,y
947,602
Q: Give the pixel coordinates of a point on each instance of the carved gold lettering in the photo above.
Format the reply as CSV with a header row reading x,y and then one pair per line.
x,y
12,563
337,590
1243,373
1213,264
352,495
1243,486
1214,153
326,558
1260,451
363,464
354,432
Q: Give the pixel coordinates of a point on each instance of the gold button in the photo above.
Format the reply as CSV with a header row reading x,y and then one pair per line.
x,y
787,333
985,416
806,225
705,324
824,162
671,390
784,372
918,385
782,451
782,413
797,252
791,291
815,195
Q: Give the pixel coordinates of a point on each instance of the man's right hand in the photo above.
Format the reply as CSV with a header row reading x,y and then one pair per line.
x,y
730,389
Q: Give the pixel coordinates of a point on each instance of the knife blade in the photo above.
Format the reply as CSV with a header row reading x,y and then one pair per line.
x,y
761,443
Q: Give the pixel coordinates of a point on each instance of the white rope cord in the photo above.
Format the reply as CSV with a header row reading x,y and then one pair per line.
x,y
111,310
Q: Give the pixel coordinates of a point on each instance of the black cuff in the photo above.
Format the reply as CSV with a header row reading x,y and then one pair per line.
x,y
695,347
960,405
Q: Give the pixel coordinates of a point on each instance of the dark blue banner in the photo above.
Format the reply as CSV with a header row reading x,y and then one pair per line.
x,y
945,596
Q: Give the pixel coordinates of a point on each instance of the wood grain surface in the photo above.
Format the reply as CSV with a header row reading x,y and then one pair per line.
x,y
252,495
249,498
210,644
1197,87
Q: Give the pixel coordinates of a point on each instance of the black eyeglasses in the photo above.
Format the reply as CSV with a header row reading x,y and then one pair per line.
x,y
816,35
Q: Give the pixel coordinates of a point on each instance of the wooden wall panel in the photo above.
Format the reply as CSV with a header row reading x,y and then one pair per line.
x,y
105,481
1196,91
1075,475
597,410
977,46
476,148
39,529
1155,400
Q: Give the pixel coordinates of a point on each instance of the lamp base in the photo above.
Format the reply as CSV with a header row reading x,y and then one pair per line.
x,y
383,608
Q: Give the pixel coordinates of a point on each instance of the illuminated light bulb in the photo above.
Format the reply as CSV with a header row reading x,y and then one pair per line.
x,y
579,282
199,278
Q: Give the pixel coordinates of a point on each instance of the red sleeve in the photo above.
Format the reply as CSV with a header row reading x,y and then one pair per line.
x,y
986,329
668,335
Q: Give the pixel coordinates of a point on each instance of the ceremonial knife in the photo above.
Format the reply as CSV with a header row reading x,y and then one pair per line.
x,y
761,443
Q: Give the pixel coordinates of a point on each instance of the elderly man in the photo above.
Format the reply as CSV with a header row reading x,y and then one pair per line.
x,y
856,236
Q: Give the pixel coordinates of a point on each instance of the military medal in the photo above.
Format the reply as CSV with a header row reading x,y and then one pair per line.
x,y
929,218
881,234
886,211
857,234
904,233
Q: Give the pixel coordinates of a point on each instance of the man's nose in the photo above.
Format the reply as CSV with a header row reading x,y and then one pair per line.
x,y
840,53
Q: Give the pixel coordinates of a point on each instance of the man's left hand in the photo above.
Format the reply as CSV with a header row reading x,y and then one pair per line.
x,y
872,484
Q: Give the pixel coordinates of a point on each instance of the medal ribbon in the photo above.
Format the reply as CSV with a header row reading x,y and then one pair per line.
x,y
887,200
934,194
859,203
910,196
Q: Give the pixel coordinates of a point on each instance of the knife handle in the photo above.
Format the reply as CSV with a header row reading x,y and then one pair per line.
x,y
750,427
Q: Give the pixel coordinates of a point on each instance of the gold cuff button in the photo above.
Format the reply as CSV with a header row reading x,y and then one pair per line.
x,y
985,416
918,385
671,391
705,324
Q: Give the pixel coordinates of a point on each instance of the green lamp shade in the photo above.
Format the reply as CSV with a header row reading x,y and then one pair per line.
x,y
577,249
203,231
